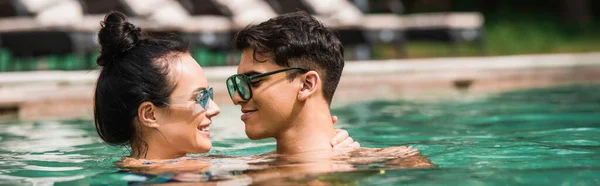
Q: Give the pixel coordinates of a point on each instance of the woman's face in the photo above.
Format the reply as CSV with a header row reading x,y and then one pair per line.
x,y
184,123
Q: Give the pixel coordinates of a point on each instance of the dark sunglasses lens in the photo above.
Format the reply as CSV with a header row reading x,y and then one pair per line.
x,y
243,87
231,86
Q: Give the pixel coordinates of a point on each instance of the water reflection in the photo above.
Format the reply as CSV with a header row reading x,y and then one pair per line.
x,y
43,136
542,136
274,169
45,152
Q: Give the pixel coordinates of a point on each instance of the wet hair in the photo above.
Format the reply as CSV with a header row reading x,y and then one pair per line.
x,y
134,70
297,40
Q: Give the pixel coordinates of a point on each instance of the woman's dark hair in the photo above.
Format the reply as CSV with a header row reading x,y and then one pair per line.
x,y
297,40
135,69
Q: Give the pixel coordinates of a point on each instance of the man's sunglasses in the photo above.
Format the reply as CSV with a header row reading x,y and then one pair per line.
x,y
240,83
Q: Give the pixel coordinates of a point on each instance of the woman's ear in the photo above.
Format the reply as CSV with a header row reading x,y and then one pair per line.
x,y
310,84
147,114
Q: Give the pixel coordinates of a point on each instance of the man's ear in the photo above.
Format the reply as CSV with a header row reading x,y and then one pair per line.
x,y
146,114
310,85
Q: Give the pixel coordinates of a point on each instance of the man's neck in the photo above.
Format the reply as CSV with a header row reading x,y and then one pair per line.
x,y
310,131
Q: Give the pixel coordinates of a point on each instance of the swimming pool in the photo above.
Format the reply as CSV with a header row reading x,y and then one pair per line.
x,y
547,136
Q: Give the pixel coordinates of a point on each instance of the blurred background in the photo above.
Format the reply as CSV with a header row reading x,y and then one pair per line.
x,y
498,92
61,34
395,49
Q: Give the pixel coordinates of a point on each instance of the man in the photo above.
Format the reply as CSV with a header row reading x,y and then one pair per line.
x,y
289,70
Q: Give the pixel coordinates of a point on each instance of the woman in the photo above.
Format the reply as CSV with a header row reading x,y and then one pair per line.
x,y
152,96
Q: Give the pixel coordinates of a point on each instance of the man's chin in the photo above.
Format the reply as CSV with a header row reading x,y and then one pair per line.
x,y
255,135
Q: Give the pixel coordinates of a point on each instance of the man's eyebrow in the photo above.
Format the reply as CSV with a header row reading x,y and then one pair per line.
x,y
252,73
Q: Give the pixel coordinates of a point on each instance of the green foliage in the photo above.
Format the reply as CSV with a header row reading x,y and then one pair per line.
x,y
207,57
507,38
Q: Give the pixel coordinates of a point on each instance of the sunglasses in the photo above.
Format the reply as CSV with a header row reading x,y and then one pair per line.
x,y
203,97
240,83
201,100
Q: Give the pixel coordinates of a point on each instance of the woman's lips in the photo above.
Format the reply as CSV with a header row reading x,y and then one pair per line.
x,y
204,129
206,133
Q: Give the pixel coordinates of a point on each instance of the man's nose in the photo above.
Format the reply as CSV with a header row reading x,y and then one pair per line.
x,y
237,99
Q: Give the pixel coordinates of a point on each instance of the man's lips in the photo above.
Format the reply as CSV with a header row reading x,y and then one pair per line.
x,y
246,114
248,110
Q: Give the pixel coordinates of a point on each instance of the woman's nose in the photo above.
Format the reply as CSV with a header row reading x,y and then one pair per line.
x,y
213,109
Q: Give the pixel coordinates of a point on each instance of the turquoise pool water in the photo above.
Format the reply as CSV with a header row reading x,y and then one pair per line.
x,y
547,136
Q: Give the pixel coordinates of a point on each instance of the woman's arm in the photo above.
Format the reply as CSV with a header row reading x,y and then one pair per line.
x,y
342,139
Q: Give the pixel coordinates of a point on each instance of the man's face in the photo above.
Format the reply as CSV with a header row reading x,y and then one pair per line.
x,y
270,110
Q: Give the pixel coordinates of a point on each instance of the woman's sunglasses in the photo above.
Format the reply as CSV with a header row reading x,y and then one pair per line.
x,y
240,83
201,101
204,96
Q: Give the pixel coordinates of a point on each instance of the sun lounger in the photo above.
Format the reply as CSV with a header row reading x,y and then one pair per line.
x,y
245,12
46,31
451,27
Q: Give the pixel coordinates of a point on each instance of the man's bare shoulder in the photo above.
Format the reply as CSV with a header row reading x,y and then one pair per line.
x,y
391,157
390,152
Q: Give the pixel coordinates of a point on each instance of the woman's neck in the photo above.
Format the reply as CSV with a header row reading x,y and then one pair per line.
x,y
151,151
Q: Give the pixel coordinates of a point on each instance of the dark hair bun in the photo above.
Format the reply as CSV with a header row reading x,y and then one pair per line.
x,y
116,37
